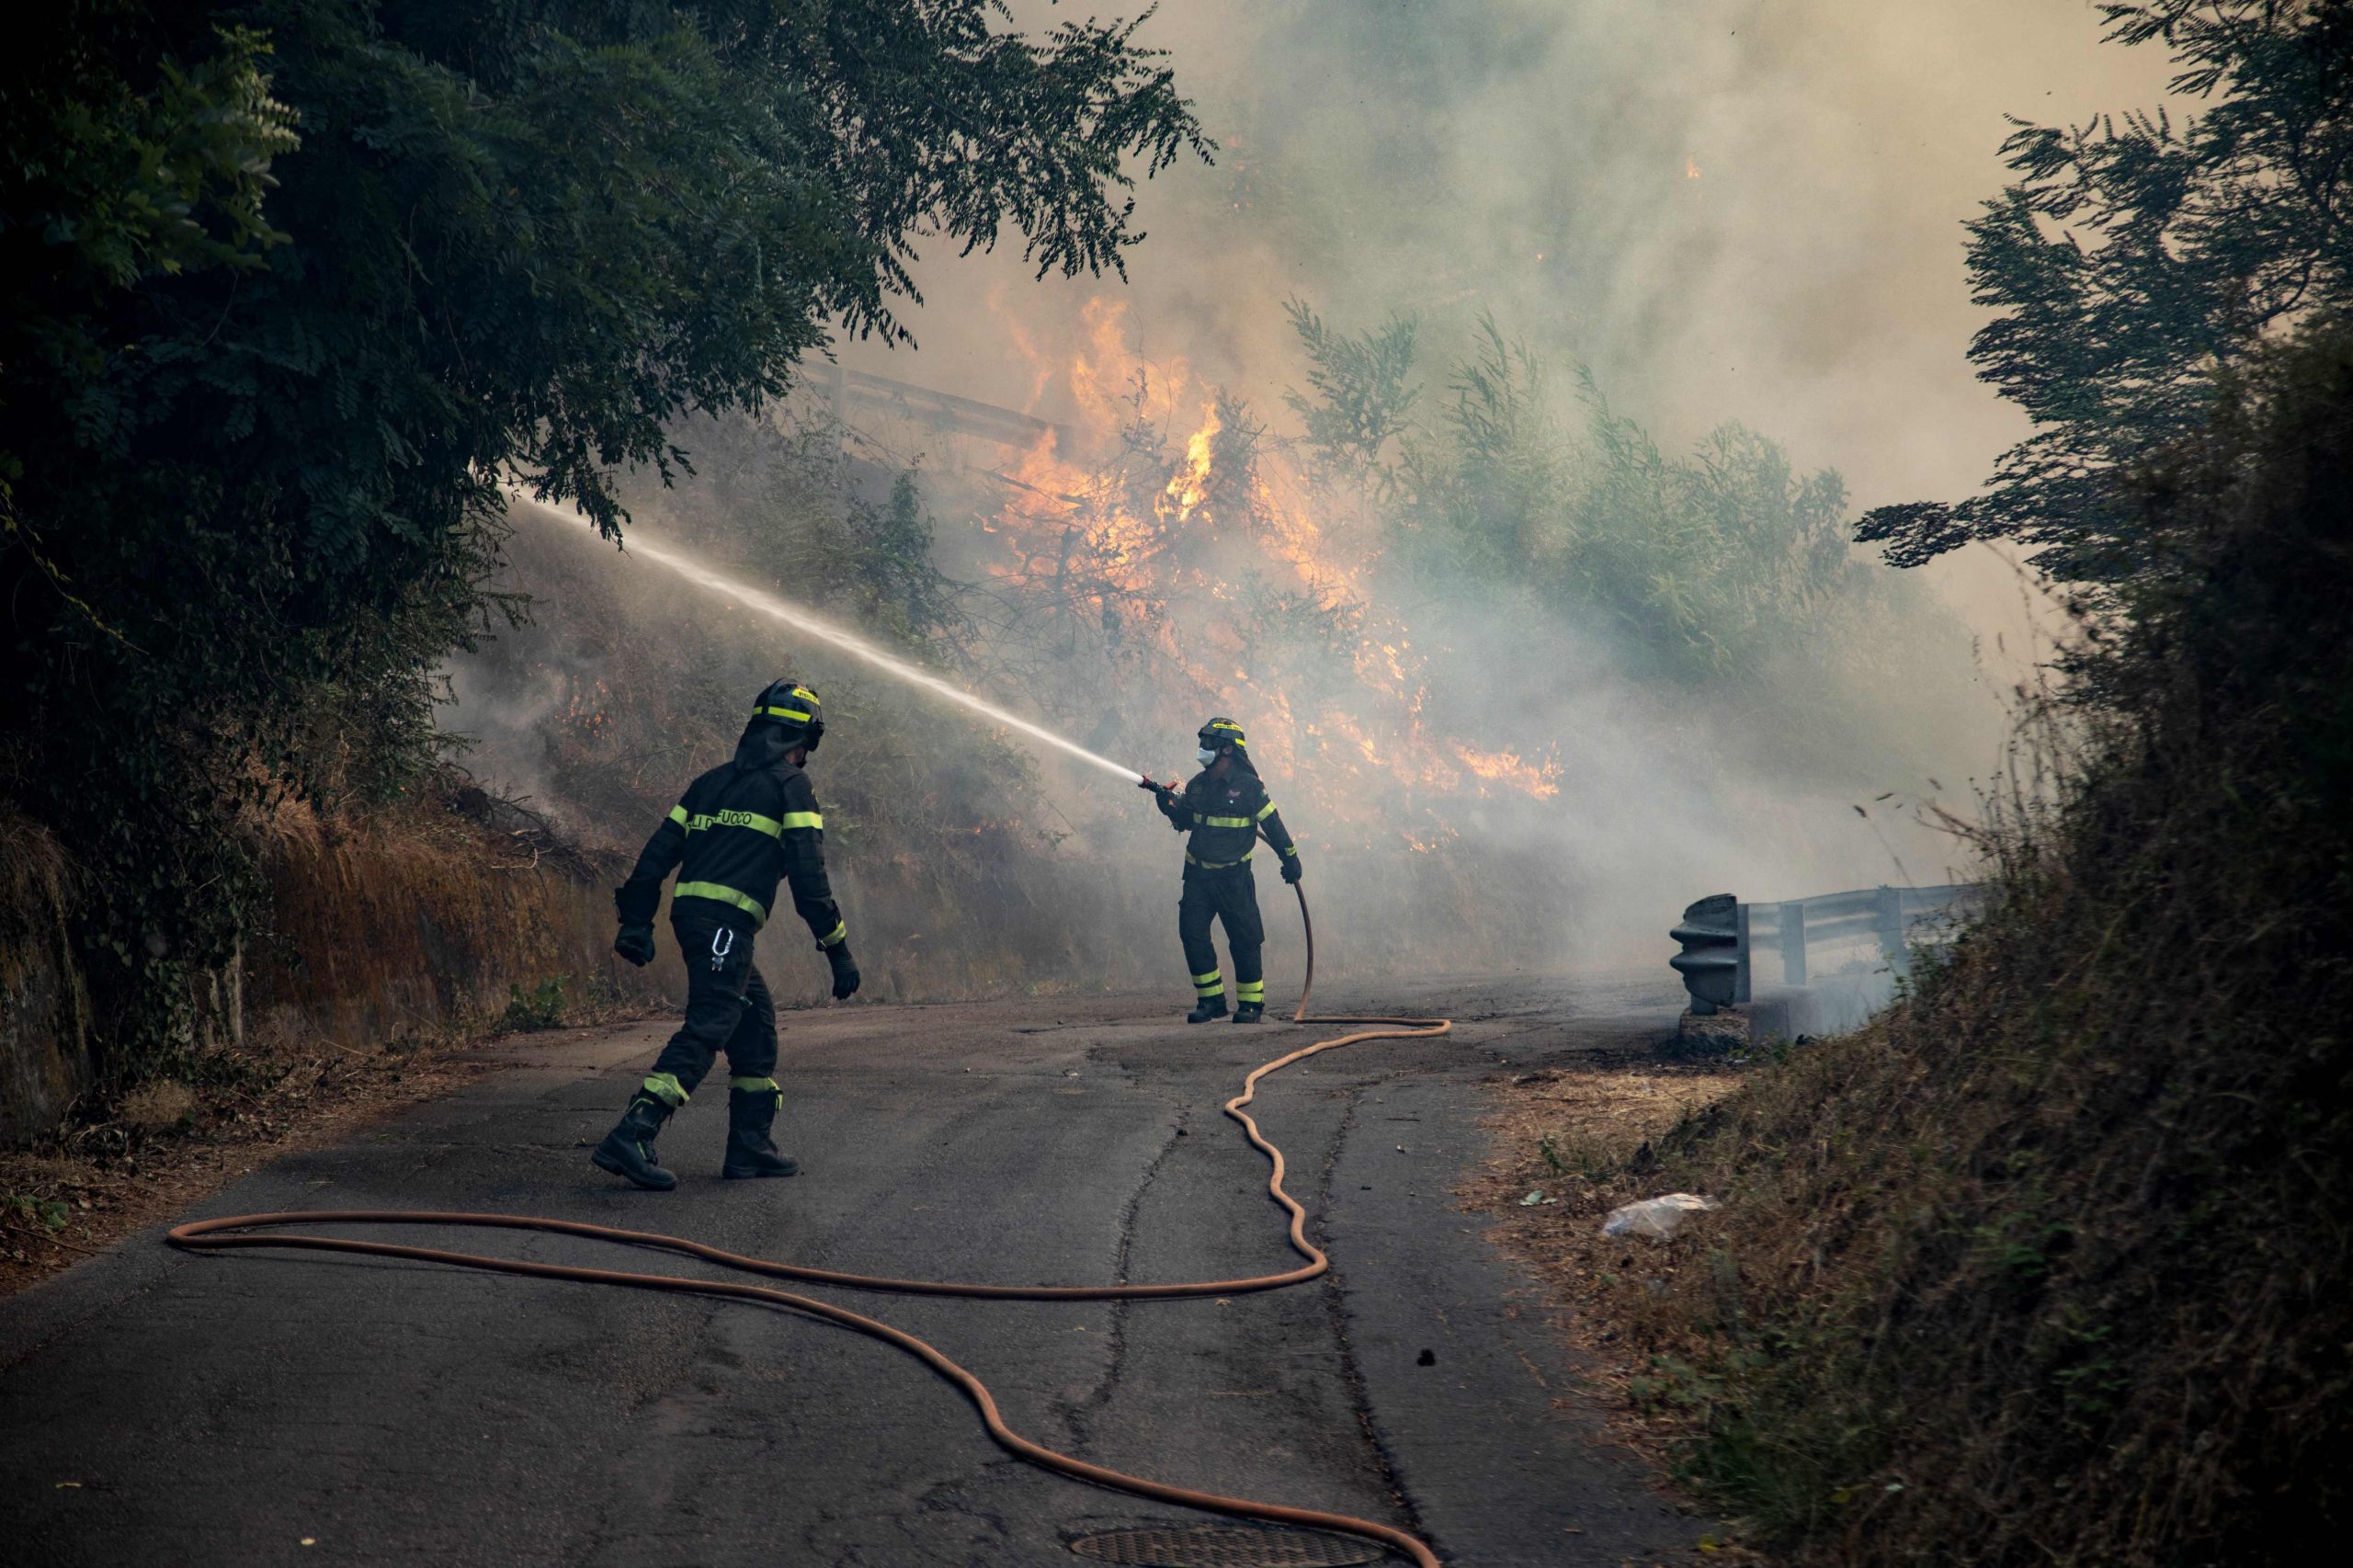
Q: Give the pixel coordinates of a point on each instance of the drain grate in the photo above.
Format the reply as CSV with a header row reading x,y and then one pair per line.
x,y
1226,1545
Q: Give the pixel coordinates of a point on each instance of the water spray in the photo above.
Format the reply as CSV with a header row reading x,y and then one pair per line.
x,y
805,620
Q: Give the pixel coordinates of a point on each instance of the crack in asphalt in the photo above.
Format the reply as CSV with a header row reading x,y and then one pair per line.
x,y
1335,1311
953,1499
1078,1416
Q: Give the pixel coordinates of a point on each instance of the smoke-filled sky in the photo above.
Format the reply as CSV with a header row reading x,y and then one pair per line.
x,y
1743,210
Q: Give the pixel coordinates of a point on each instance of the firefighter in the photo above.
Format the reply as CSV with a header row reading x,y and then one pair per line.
x,y
1227,809
739,830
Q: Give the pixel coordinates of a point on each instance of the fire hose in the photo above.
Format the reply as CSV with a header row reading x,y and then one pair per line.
x,y
236,1231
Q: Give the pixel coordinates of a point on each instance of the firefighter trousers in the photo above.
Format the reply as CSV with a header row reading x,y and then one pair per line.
x,y
728,1008
1229,895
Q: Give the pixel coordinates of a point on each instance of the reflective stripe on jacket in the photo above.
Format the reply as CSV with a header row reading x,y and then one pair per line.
x,y
1225,817
740,830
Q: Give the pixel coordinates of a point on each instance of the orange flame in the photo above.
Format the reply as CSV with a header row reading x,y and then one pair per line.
x,y
1189,487
1169,583
1540,779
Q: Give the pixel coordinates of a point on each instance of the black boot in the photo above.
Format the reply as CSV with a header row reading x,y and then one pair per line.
x,y
1249,1012
1209,1007
750,1114
628,1148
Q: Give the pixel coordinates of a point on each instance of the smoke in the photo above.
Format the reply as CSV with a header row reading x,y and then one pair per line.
x,y
1730,210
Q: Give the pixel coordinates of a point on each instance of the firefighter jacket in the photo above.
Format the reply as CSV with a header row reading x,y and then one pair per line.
x,y
741,829
1225,817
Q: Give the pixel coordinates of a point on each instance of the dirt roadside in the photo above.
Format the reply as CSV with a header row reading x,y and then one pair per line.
x,y
1568,1145
171,1145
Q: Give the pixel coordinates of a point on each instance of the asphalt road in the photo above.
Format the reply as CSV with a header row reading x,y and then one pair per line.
x,y
283,1408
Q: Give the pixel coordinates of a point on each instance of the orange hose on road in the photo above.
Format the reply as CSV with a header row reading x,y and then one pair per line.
x,y
223,1234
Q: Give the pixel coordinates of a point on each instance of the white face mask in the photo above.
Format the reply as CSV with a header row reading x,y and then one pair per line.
x,y
1206,756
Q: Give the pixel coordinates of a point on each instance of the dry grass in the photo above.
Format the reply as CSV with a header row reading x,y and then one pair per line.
x,y
1581,1141
2052,1265
419,919
394,943
1573,1132
171,1145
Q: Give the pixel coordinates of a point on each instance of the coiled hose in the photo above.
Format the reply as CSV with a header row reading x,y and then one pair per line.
x,y
239,1231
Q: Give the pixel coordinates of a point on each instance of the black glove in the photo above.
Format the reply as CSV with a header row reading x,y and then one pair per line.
x,y
1293,869
845,970
636,944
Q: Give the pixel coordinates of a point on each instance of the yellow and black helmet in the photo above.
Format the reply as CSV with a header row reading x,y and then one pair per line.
x,y
1219,733
794,707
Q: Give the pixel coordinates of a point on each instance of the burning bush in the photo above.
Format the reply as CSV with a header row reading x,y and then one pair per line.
x,y
1521,743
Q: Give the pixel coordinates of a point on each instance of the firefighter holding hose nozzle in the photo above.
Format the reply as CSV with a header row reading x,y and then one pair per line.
x,y
740,829
1225,809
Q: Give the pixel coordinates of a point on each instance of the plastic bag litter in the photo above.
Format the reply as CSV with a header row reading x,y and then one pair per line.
x,y
1654,1217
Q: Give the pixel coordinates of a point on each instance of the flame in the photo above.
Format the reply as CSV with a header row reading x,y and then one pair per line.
x,y
1541,779
1108,376
1190,485
1160,579
1690,168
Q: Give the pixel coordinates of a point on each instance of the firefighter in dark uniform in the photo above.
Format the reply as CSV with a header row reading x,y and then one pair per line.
x,y
740,829
1227,809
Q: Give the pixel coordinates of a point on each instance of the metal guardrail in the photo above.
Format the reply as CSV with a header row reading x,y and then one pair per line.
x,y
1715,959
849,393
1721,936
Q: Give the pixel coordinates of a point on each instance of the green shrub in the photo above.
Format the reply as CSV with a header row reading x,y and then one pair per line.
x,y
2053,1264
541,1007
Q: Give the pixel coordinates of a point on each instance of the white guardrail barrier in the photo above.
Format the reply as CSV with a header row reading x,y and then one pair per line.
x,y
1837,937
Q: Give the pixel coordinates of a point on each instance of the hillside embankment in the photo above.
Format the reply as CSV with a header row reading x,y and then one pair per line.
x,y
2049,1263
387,940
45,1047
412,922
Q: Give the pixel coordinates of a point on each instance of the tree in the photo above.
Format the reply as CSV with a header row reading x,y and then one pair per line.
x,y
1362,397
2134,259
107,185
261,395
1703,566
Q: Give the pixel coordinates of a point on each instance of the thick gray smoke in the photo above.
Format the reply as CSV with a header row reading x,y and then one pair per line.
x,y
1729,209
